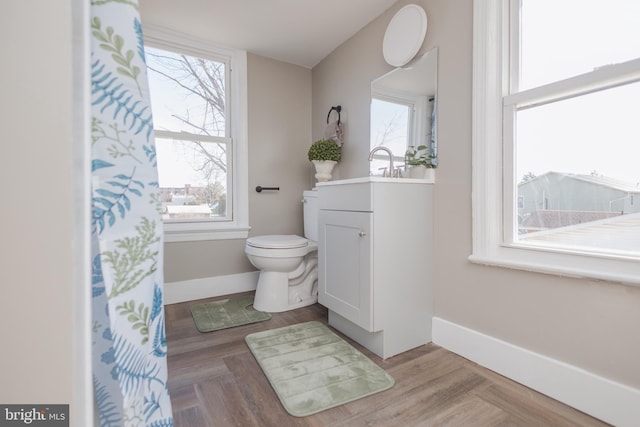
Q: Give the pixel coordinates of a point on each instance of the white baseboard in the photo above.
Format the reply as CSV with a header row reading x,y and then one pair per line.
x,y
209,287
599,397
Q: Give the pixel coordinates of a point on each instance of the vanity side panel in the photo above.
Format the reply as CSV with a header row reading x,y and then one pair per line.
x,y
402,264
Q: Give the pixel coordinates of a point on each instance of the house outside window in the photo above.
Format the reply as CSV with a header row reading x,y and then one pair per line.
x,y
198,98
555,134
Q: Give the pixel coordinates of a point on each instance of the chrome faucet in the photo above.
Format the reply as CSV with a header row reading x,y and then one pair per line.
x,y
391,171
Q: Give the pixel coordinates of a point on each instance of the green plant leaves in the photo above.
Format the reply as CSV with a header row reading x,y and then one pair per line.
x,y
138,317
324,149
134,259
419,156
115,44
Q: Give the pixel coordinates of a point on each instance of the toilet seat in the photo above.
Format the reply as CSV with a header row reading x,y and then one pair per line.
x,y
277,241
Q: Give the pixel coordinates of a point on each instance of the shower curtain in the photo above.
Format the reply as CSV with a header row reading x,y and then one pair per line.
x,y
129,344
433,140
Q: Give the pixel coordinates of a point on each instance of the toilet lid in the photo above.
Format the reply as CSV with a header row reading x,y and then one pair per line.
x,y
288,241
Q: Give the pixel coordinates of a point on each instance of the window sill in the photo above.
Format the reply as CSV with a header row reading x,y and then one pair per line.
x,y
193,232
568,264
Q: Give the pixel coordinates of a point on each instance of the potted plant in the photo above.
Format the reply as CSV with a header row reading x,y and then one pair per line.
x,y
324,154
419,162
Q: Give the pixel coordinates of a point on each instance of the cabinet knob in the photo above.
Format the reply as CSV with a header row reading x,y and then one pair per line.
x,y
362,234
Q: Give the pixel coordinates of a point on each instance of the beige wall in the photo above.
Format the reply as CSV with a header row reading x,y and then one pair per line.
x,y
592,325
37,291
279,96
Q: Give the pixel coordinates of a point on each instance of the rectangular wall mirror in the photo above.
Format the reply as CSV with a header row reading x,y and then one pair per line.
x,y
404,111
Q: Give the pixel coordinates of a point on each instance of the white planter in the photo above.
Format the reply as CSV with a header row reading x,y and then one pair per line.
x,y
421,172
324,169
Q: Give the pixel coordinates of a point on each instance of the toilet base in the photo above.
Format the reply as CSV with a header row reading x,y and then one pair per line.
x,y
273,294
303,303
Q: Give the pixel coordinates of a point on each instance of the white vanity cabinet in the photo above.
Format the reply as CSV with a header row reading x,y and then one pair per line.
x,y
374,257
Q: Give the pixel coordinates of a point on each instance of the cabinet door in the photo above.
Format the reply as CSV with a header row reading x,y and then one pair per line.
x,y
344,259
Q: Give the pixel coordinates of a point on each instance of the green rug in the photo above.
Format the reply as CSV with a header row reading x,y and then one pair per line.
x,y
312,369
212,316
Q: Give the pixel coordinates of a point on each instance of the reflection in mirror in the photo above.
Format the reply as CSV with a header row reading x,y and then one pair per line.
x,y
403,112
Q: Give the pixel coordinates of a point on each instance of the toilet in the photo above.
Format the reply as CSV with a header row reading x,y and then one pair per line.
x,y
288,264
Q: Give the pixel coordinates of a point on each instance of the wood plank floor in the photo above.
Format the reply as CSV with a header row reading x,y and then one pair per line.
x,y
215,381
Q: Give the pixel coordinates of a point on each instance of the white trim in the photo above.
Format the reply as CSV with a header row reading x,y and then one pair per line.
x,y
491,159
238,227
199,231
597,396
240,133
208,287
82,400
568,264
186,136
177,40
608,77
486,124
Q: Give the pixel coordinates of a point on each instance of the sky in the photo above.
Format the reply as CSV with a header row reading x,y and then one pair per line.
x,y
389,127
176,165
599,132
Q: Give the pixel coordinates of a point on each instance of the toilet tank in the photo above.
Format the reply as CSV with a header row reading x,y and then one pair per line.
x,y
310,213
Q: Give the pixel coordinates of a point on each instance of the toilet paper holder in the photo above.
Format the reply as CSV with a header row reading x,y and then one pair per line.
x,y
260,188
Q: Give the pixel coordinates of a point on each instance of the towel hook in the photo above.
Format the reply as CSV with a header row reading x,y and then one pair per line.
x,y
337,109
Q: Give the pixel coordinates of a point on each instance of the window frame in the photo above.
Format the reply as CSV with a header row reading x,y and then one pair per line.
x,y
493,180
238,225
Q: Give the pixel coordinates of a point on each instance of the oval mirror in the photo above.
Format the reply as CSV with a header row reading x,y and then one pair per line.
x,y
405,34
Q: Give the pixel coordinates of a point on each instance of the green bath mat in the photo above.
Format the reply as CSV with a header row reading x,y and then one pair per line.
x,y
212,316
312,369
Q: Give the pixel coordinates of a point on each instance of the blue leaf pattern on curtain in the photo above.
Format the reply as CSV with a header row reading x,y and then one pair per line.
x,y
129,341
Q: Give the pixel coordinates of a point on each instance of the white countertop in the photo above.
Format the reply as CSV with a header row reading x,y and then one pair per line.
x,y
366,179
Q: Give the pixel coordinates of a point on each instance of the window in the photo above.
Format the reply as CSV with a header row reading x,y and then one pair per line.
x,y
198,98
555,136
398,120
390,127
